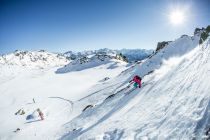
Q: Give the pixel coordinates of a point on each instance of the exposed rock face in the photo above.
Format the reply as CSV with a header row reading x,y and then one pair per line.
x,y
161,45
198,31
204,34
184,36
70,55
121,57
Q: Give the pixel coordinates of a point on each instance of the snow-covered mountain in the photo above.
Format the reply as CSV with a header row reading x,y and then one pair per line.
x,y
46,59
135,54
91,60
33,59
98,103
131,54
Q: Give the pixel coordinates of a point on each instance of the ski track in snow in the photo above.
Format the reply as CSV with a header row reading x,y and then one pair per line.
x,y
69,101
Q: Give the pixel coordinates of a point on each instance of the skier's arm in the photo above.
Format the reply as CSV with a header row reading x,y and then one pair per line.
x,y
131,81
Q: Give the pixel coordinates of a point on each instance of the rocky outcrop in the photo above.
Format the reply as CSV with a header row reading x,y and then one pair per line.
x,y
161,45
198,31
121,57
204,34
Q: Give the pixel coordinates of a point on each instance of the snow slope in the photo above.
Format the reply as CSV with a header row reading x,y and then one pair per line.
x,y
176,48
172,104
54,94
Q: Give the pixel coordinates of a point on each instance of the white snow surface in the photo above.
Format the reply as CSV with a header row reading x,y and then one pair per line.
x,y
54,94
173,102
92,62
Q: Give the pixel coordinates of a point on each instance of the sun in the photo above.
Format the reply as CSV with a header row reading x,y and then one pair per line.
x,y
176,17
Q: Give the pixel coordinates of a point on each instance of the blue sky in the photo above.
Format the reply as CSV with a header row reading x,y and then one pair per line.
x,y
76,25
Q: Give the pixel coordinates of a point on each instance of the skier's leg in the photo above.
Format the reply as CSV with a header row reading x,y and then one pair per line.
x,y
135,85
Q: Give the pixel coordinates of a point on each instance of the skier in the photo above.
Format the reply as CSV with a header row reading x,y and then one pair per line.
x,y
41,115
137,81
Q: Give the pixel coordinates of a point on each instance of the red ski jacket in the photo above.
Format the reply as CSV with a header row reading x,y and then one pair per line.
x,y
137,80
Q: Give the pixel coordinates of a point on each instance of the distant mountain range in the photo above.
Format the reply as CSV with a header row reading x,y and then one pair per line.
x,y
130,54
43,58
34,59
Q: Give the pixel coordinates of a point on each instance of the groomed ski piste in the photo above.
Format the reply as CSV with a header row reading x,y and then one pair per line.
x,y
173,102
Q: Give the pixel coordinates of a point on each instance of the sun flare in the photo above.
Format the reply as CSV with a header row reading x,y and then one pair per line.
x,y
177,17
